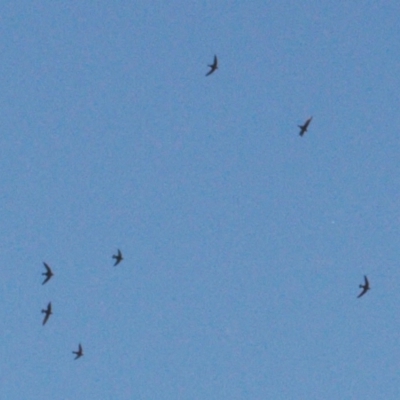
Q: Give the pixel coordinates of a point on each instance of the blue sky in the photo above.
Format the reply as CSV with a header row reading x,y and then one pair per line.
x,y
244,244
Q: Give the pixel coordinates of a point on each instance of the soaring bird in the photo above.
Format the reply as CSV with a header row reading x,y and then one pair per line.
x,y
364,287
118,257
213,66
303,128
47,312
48,273
78,353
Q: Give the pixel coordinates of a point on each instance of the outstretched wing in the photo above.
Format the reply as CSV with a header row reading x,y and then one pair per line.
x,y
365,289
47,312
47,268
307,123
210,71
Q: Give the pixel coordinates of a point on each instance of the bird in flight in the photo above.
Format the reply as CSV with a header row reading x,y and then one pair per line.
x,y
47,312
118,257
303,128
364,287
78,353
213,66
48,273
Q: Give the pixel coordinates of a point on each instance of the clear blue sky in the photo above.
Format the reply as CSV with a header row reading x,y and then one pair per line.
x,y
244,243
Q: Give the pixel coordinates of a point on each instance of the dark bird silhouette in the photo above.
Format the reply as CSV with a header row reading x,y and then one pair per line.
x,y
78,353
48,273
47,312
213,66
303,128
364,287
118,257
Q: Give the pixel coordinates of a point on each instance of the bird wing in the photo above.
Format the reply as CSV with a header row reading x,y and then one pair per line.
x,y
366,281
46,318
363,292
47,267
215,61
47,278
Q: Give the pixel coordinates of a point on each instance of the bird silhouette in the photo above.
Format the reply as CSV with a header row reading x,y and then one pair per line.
x,y
364,287
213,66
48,312
118,257
303,128
48,273
78,353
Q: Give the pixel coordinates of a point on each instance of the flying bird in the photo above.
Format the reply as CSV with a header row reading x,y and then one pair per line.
x,y
118,257
213,66
303,128
47,312
364,287
48,273
78,353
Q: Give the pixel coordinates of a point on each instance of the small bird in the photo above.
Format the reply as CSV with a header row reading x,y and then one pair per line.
x,y
364,287
48,312
303,128
48,273
78,353
118,257
213,66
